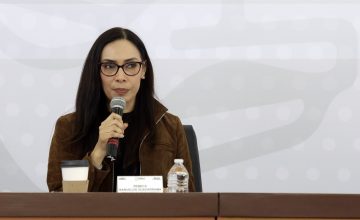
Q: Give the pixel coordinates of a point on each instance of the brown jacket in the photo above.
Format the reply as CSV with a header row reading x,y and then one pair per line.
x,y
169,143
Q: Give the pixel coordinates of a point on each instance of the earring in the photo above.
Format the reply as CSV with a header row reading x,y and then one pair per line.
x,y
143,77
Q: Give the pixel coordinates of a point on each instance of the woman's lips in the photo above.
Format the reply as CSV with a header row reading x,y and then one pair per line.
x,y
121,91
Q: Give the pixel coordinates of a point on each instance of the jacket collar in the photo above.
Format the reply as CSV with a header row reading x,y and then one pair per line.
x,y
159,110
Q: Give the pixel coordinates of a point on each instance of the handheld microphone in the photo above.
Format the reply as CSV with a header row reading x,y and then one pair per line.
x,y
117,106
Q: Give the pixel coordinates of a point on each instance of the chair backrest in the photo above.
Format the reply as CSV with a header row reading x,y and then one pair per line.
x,y
194,153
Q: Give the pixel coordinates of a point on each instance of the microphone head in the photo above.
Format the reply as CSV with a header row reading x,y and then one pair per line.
x,y
118,102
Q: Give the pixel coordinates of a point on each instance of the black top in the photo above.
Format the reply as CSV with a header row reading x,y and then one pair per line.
x,y
127,162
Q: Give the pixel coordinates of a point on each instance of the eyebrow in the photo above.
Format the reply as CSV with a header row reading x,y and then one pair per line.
x,y
126,60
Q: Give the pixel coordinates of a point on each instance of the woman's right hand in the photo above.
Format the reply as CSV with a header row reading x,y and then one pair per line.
x,y
111,127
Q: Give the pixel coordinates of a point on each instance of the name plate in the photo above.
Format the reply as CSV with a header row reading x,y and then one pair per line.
x,y
137,184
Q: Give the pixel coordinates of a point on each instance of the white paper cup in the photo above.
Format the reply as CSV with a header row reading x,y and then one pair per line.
x,y
74,170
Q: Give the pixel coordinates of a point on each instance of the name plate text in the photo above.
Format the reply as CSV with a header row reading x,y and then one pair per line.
x,y
139,184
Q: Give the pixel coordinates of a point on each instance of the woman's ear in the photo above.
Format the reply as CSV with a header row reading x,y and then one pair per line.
x,y
143,71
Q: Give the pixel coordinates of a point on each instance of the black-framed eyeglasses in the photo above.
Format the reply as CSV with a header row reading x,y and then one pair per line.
x,y
130,68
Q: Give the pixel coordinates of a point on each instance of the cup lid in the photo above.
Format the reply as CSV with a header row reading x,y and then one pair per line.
x,y
74,163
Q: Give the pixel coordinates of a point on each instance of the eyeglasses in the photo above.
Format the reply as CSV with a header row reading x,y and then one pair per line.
x,y
130,69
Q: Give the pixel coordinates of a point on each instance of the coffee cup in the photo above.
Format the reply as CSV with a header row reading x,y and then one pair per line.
x,y
75,175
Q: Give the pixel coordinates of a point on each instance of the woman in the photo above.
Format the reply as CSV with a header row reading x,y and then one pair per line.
x,y
150,137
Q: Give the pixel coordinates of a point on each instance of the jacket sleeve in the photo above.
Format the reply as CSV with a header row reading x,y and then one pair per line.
x,y
57,153
97,177
183,152
62,149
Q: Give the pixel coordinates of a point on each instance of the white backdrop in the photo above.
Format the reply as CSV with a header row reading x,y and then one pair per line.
x,y
270,86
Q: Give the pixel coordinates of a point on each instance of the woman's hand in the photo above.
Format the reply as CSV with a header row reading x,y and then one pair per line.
x,y
111,127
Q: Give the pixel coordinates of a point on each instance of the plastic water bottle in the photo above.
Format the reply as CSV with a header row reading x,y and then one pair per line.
x,y
178,177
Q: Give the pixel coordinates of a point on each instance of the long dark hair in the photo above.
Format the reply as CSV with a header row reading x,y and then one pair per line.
x,y
91,101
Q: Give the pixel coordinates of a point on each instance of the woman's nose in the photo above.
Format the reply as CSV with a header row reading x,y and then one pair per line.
x,y
120,75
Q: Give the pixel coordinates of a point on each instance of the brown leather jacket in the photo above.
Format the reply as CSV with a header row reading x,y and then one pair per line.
x,y
169,143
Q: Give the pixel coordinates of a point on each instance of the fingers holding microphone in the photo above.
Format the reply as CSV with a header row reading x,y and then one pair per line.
x,y
112,127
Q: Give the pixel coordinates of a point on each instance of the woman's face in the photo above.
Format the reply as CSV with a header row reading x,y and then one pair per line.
x,y
121,52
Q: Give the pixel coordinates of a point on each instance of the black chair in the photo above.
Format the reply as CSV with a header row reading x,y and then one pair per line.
x,y
194,153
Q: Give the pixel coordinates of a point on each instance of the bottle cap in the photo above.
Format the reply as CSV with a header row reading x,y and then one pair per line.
x,y
178,160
